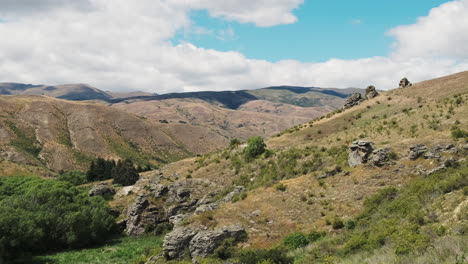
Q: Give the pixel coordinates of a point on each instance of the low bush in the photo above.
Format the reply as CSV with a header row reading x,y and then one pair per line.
x,y
295,240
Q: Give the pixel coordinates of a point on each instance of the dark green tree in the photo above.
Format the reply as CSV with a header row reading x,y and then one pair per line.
x,y
124,173
255,147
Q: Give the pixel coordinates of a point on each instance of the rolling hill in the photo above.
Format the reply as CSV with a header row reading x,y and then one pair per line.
x,y
49,133
304,182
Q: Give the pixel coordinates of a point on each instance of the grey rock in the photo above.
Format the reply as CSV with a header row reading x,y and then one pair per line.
x,y
360,151
142,215
433,152
405,83
371,92
237,191
416,151
176,242
204,243
353,100
380,157
101,190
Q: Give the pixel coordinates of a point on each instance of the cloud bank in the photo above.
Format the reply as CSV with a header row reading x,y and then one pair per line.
x,y
125,45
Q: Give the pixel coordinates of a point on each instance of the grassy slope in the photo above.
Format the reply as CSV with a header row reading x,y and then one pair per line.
x,y
127,250
308,203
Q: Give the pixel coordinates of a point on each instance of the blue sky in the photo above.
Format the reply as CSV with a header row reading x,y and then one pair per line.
x,y
325,29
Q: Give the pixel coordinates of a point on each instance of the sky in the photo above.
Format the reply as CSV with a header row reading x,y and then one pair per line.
x,y
167,46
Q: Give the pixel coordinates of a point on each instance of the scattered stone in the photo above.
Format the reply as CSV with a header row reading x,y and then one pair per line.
x,y
176,242
360,152
405,83
371,92
101,190
353,100
256,213
380,157
416,151
204,243
163,121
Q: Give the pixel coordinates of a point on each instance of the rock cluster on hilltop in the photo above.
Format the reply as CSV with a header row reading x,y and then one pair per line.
x,y
371,92
353,100
357,98
405,83
198,243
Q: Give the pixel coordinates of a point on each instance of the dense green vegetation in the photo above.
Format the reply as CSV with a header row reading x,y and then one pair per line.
x,y
126,250
74,177
39,215
122,172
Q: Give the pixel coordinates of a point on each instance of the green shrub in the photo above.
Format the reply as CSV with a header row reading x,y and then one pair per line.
x,y
295,240
458,133
39,215
314,236
337,223
255,147
281,187
73,177
275,255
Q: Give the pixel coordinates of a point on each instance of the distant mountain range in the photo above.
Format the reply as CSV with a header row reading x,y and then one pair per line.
x,y
293,95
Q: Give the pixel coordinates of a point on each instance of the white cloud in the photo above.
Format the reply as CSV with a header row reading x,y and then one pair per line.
x,y
443,33
124,45
263,13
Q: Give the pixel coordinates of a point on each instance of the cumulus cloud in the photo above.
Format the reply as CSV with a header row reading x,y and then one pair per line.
x,y
125,45
443,33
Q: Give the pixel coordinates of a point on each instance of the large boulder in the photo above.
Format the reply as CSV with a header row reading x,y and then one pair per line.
x,y
405,83
416,151
360,151
176,242
353,100
101,190
204,243
380,157
371,92
198,243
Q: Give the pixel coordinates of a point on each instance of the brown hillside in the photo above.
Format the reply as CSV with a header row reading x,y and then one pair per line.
x,y
64,135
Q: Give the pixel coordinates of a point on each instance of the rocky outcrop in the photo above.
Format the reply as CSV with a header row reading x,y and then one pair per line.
x,y
176,242
416,151
143,216
380,157
198,243
101,190
353,100
371,92
405,83
204,243
360,152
